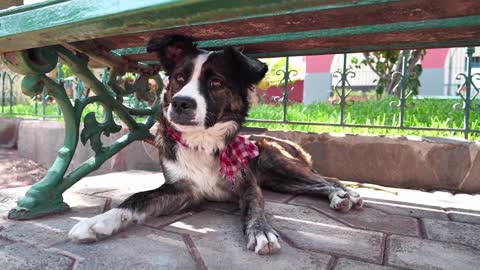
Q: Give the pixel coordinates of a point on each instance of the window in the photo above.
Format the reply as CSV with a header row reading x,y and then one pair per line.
x,y
475,62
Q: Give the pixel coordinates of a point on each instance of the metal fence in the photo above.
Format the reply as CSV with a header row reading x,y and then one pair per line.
x,y
464,103
45,107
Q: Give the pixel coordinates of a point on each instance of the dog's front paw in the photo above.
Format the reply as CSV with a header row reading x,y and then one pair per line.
x,y
342,200
262,239
98,227
355,198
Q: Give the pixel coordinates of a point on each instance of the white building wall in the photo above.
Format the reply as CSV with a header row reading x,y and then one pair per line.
x,y
364,76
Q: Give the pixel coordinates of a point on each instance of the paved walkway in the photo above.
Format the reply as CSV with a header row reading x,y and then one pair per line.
x,y
401,229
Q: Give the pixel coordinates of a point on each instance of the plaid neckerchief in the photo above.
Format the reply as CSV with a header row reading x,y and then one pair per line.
x,y
176,136
233,158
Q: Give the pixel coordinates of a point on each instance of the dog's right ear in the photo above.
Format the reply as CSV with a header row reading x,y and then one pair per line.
x,y
172,49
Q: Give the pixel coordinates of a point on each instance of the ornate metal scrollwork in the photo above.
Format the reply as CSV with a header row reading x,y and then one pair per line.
x,y
93,129
7,78
285,80
463,88
343,84
400,86
45,196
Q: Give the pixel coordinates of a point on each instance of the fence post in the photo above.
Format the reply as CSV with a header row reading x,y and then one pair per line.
x,y
403,89
12,80
343,97
468,88
60,81
35,105
44,103
286,74
10,100
80,89
3,91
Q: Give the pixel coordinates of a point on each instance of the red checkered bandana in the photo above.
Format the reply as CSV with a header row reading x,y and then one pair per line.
x,y
233,158
177,136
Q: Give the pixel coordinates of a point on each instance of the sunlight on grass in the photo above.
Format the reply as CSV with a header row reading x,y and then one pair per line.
x,y
432,113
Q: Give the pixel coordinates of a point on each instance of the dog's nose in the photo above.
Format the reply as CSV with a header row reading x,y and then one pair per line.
x,y
182,103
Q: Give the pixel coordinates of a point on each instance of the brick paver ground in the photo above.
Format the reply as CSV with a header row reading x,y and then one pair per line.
x,y
407,230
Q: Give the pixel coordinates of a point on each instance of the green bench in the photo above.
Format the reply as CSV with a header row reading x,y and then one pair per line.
x,y
83,33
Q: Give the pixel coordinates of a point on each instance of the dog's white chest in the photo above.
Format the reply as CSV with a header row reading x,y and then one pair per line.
x,y
200,168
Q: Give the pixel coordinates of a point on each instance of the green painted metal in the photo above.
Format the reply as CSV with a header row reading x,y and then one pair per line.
x,y
88,19
7,80
359,125
80,68
38,61
343,94
347,31
2,76
327,33
93,129
469,95
53,22
45,196
369,48
343,88
468,84
44,103
404,82
286,76
61,82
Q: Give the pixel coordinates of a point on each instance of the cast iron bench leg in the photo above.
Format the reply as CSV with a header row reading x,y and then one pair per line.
x,y
45,196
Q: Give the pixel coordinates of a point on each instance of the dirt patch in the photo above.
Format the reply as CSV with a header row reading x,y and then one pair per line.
x,y
16,171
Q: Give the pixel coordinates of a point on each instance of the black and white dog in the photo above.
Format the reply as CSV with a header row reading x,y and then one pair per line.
x,y
204,158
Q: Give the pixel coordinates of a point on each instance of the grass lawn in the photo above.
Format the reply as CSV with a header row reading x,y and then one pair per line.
x,y
435,113
51,111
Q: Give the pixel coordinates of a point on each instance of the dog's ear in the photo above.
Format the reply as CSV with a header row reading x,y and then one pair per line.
x,y
252,69
172,49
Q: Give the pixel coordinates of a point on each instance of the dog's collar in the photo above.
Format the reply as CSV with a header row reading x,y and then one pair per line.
x,y
233,158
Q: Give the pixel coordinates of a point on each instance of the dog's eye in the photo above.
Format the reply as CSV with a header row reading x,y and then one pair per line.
x,y
215,83
179,78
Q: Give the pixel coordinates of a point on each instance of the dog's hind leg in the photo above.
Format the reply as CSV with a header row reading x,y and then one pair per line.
x,y
167,199
283,168
301,182
261,237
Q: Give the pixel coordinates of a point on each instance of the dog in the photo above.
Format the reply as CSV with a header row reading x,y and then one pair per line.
x,y
204,158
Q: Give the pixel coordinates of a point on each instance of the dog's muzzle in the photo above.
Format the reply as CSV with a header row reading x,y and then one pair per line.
x,y
183,110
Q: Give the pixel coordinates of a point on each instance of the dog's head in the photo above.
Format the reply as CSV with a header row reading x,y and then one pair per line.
x,y
205,87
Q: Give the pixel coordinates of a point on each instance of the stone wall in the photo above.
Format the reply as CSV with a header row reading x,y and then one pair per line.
x,y
9,132
405,162
40,140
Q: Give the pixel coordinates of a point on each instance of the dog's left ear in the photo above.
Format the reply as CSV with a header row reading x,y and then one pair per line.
x,y
252,69
172,49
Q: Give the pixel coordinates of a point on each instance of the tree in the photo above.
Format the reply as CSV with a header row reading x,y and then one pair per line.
x,y
387,65
275,77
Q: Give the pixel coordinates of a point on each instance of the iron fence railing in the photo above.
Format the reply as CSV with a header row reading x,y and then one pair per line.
x,y
466,93
44,107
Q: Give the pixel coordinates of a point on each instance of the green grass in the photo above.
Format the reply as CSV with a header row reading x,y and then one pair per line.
x,y
435,113
51,111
